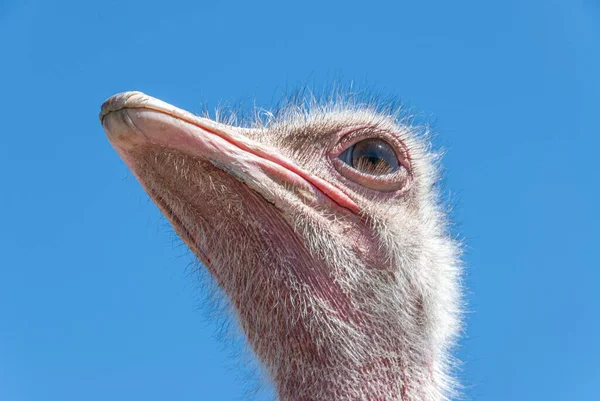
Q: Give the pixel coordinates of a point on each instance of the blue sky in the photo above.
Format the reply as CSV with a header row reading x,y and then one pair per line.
x,y
96,298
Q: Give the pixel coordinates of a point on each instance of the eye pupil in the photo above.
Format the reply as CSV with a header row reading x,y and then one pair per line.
x,y
371,156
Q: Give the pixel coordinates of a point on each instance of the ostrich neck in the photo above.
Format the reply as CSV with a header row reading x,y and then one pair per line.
x,y
313,337
317,337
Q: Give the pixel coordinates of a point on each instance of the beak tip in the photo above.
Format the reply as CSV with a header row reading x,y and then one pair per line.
x,y
121,101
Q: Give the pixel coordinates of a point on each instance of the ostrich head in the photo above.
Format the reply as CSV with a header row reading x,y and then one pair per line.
x,y
323,228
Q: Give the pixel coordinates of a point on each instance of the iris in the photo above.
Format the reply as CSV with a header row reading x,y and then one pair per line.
x,y
372,156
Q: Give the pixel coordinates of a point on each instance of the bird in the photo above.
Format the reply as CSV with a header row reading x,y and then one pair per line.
x,y
324,225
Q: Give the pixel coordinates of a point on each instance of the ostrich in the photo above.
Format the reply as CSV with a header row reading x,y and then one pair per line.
x,y
323,228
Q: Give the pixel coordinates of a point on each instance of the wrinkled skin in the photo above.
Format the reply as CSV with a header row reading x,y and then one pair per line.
x,y
346,284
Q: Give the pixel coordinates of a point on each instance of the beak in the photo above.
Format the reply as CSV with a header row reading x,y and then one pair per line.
x,y
133,119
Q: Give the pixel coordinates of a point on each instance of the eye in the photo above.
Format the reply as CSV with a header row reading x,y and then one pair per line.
x,y
371,156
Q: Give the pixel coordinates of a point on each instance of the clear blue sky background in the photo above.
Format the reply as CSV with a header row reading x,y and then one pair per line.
x,y
95,299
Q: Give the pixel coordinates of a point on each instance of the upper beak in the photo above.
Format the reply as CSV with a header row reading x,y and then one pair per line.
x,y
131,119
